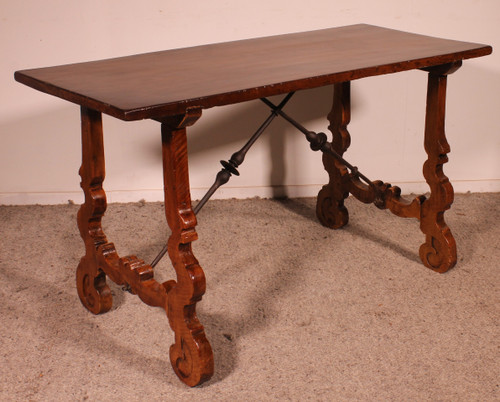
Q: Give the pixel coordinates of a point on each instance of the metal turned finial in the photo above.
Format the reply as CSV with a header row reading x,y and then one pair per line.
x,y
316,140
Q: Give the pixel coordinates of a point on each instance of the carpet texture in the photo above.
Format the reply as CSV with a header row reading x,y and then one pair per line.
x,y
294,311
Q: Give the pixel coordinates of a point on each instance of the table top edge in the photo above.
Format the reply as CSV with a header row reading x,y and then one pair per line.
x,y
245,94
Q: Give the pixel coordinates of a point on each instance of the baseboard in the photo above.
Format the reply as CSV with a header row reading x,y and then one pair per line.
x,y
292,191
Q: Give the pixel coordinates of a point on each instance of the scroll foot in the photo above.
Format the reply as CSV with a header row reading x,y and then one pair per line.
x,y
330,210
192,358
439,254
93,291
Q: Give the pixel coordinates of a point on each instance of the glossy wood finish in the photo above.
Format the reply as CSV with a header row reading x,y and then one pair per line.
x,y
330,208
165,83
90,278
191,355
439,251
173,87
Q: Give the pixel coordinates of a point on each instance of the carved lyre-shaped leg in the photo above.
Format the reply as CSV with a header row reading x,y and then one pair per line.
x,y
439,251
91,280
330,207
191,354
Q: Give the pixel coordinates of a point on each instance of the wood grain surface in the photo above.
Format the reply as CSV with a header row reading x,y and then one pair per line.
x,y
165,83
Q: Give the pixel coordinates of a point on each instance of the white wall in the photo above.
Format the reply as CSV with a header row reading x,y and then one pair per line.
x,y
40,138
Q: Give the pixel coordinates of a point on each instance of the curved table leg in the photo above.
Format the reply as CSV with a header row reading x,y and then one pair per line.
x,y
330,208
90,278
191,354
439,252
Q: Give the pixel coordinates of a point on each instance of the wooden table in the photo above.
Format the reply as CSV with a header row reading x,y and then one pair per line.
x,y
174,86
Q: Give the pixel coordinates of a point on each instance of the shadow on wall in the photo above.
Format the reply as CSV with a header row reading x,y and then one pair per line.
x,y
40,152
232,128
236,127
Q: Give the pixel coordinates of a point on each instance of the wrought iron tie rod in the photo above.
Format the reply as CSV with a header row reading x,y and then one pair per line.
x,y
318,141
230,167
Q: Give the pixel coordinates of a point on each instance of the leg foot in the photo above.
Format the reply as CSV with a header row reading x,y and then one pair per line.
x,y
330,209
94,294
439,254
191,355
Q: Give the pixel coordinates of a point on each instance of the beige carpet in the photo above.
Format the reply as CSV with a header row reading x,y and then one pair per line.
x,y
294,311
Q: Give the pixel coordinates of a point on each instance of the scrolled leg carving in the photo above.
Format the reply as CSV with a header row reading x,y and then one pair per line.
x,y
389,197
94,294
330,208
191,354
92,289
439,251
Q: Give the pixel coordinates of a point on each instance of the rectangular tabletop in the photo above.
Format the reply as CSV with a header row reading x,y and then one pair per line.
x,y
164,83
